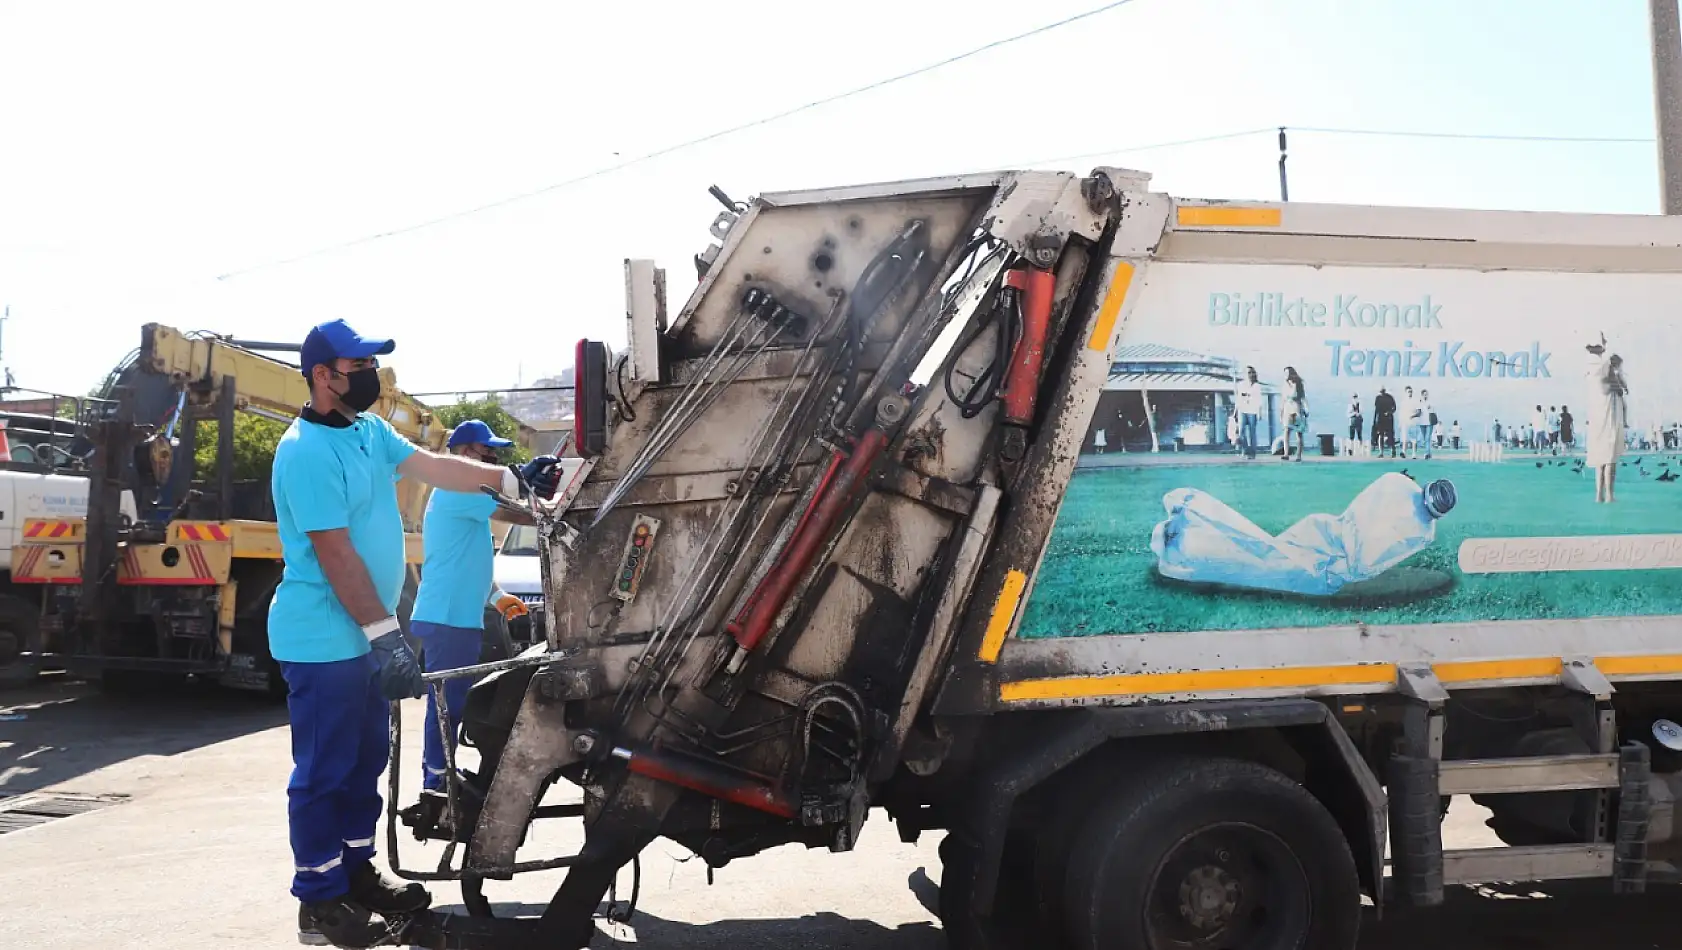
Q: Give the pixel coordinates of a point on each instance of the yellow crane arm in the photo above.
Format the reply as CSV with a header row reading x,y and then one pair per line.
x,y
264,386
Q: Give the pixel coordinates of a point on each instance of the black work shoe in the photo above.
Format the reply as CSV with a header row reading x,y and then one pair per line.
x,y
385,896
339,923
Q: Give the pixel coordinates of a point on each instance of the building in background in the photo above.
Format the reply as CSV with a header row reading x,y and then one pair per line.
x,y
543,410
544,401
541,438
46,406
1163,399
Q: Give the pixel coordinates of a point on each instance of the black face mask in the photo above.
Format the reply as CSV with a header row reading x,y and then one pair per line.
x,y
364,389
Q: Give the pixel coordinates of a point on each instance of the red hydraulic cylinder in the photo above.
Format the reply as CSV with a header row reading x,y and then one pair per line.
x,y
803,546
1022,385
836,460
713,779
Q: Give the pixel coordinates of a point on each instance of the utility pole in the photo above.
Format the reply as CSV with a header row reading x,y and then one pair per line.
x,y
1666,34
1284,186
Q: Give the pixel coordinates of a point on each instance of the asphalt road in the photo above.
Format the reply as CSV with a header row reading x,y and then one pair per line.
x,y
195,855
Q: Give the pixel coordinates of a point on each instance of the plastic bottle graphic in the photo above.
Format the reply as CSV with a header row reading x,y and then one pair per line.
x,y
1203,540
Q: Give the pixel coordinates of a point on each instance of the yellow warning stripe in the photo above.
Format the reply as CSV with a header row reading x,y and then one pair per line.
x,y
1654,665
1004,611
1474,671
1299,677
1078,687
1227,216
1110,311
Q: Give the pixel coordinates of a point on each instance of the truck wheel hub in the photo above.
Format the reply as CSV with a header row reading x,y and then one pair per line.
x,y
1208,897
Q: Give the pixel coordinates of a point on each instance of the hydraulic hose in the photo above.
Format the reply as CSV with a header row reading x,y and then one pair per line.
x,y
1006,316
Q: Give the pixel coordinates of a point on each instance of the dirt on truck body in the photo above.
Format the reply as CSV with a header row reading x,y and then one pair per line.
x,y
1175,557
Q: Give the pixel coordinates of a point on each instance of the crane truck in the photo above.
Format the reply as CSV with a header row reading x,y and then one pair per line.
x,y
155,573
957,500
43,473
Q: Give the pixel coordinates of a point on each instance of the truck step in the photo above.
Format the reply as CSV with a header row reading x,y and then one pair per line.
x,y
1537,863
1542,773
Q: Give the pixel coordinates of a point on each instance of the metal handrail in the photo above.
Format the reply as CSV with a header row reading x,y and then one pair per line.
x,y
445,872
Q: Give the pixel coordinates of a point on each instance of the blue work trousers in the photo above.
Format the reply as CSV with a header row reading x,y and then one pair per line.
x,y
340,742
444,648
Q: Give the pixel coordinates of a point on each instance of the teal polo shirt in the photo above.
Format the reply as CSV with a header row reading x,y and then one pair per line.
x,y
332,473
456,577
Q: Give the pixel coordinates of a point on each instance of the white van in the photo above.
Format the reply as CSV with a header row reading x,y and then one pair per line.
x,y
516,571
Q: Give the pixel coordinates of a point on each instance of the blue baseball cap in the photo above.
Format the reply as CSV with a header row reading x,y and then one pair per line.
x,y
473,432
335,340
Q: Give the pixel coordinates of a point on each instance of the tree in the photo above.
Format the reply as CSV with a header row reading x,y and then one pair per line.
x,y
489,411
255,439
69,407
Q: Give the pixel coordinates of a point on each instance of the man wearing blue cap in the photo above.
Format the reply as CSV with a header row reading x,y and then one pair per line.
x,y
333,625
449,612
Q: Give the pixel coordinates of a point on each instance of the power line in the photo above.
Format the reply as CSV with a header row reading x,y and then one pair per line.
x,y
1217,137
680,146
497,392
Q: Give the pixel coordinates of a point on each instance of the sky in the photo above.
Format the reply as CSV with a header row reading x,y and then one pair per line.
x,y
148,149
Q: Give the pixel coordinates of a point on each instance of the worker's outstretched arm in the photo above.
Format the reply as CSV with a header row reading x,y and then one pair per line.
x,y
347,575
455,473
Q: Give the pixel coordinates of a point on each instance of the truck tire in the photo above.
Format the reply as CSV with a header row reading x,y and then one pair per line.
x,y
275,688
20,622
1054,840
1008,923
1212,852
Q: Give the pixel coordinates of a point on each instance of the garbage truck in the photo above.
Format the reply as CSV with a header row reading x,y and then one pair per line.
x,y
1182,561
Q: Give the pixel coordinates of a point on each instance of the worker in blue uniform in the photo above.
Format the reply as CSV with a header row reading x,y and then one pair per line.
x,y
333,626
449,614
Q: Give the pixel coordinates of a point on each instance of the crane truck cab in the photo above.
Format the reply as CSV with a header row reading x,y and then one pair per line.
x,y
43,489
42,496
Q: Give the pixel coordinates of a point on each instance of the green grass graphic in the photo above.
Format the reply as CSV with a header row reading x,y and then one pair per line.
x,y
1098,577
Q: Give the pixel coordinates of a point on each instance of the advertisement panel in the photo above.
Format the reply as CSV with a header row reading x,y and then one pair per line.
x,y
1291,446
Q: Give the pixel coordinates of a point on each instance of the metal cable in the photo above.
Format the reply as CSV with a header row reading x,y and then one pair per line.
x,y
676,414
703,581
